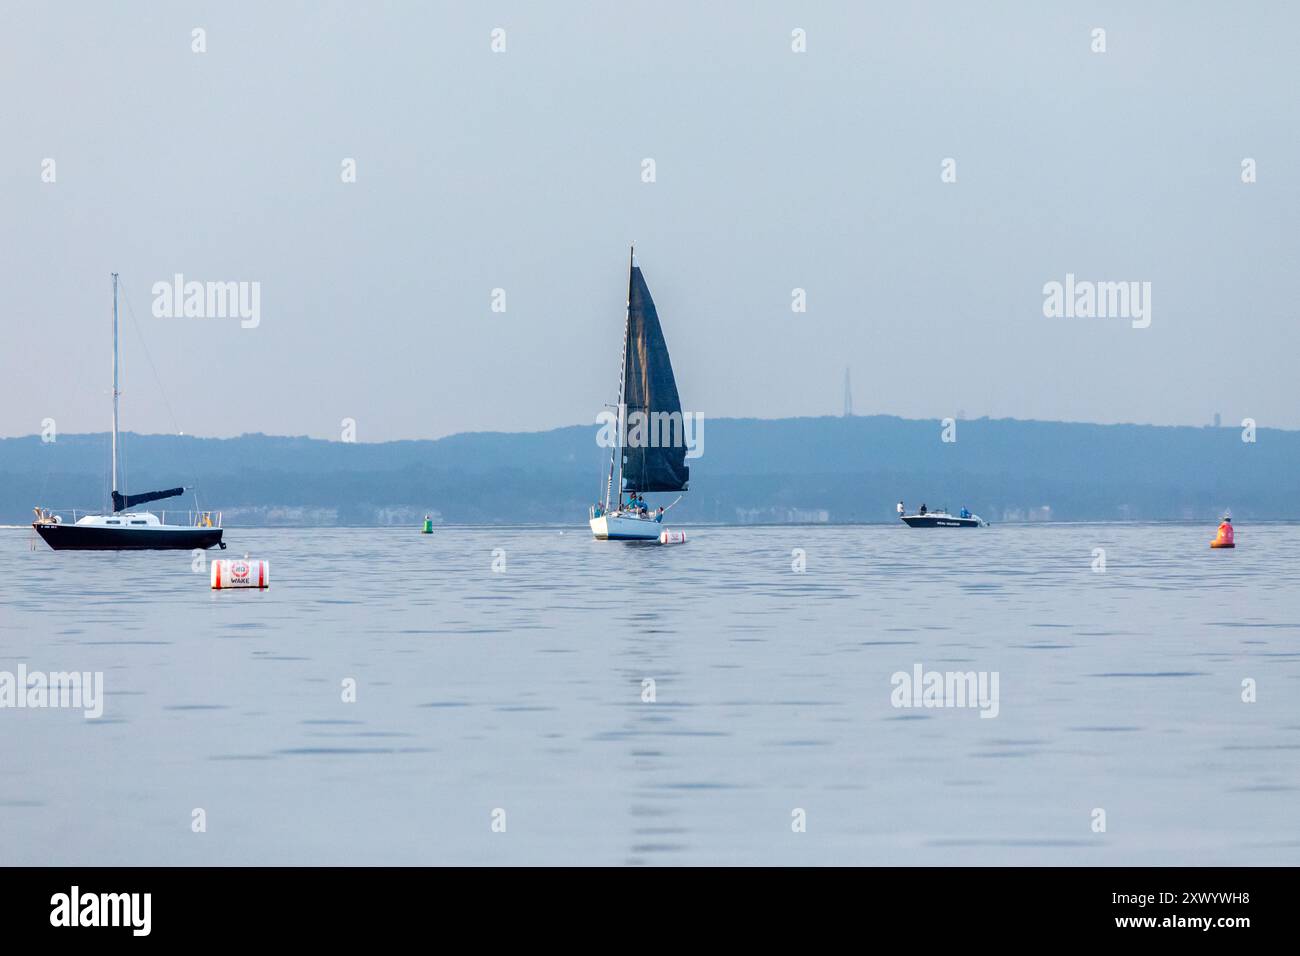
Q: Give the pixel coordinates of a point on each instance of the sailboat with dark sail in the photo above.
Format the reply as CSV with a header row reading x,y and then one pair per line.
x,y
649,448
124,529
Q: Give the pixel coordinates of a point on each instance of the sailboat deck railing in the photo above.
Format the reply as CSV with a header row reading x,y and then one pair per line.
x,y
193,519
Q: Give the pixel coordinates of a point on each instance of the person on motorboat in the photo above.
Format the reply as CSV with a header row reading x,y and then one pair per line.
x,y
901,511
965,513
922,511
659,515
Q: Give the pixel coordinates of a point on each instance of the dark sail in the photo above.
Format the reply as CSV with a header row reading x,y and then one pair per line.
x,y
121,502
654,443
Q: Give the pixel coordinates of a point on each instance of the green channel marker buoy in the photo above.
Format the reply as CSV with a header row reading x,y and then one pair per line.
x,y
428,525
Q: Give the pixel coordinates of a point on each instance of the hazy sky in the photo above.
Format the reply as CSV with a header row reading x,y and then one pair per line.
x,y
522,170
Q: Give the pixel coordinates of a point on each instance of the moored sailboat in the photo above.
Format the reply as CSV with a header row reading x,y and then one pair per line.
x,y
123,529
649,409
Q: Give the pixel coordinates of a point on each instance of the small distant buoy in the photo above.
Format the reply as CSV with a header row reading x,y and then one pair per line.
x,y
1224,539
672,537
428,525
240,573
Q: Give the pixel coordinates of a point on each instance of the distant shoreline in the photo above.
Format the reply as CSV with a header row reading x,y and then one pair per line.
x,y
803,471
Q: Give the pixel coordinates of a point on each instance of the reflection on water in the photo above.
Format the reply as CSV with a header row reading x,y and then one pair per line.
x,y
523,690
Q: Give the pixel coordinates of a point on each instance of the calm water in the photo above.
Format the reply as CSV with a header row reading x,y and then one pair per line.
x,y
522,690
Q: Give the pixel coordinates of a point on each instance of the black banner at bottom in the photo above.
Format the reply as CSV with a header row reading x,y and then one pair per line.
x,y
336,905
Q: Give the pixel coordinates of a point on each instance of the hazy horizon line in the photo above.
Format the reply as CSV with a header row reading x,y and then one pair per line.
x,y
541,431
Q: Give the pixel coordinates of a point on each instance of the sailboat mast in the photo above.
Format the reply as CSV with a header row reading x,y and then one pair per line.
x,y
115,381
616,455
622,376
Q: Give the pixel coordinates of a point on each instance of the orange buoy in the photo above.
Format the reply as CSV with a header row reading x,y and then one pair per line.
x,y
1224,537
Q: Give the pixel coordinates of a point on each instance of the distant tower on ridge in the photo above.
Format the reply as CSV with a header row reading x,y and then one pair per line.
x,y
848,394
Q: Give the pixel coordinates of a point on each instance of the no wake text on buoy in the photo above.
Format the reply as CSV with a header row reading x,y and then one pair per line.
x,y
240,573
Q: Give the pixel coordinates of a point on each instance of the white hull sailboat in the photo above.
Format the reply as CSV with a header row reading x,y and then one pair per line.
x,y
624,526
639,461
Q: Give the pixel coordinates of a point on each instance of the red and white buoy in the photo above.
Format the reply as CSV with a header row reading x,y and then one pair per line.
x,y
240,573
672,537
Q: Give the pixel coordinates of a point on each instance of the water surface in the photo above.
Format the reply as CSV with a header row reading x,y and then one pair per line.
x,y
521,689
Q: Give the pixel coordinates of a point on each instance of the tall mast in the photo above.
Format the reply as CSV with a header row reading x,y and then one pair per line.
x,y
617,455
622,373
115,381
